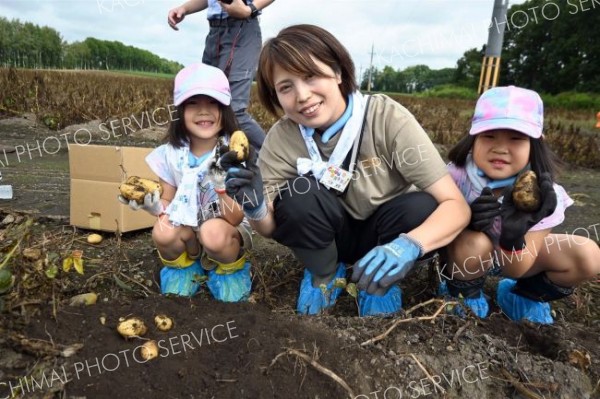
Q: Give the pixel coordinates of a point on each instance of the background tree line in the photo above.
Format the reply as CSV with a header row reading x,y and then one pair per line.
x,y
551,52
26,45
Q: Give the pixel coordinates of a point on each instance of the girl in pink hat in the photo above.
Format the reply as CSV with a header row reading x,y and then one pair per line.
x,y
505,139
195,216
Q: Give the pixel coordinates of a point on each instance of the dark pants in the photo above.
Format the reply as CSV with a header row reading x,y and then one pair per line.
x,y
312,217
234,47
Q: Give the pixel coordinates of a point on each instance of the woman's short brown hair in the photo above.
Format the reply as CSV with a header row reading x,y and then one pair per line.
x,y
294,49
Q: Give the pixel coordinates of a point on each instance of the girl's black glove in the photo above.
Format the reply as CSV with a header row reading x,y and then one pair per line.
x,y
243,183
483,211
515,223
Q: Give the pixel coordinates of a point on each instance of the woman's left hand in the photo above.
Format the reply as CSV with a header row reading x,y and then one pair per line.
x,y
516,223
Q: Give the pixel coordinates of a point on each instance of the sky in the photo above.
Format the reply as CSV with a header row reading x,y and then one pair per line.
x,y
399,33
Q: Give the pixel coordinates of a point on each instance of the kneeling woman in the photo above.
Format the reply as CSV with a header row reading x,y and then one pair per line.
x,y
342,178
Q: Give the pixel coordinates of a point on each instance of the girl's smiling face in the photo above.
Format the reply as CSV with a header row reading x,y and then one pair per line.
x,y
501,153
312,101
202,117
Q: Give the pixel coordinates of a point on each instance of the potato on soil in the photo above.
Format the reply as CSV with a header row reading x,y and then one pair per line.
x,y
240,144
163,322
149,350
526,192
132,327
94,239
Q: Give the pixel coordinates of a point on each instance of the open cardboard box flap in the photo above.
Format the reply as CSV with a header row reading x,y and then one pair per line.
x,y
96,173
108,163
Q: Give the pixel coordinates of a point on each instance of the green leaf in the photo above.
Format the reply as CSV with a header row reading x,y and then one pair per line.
x,y
323,288
352,290
52,271
121,284
339,283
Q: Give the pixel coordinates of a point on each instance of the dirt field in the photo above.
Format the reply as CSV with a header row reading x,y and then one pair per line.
x,y
49,349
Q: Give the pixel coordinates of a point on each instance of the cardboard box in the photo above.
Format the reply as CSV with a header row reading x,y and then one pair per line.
x,y
96,173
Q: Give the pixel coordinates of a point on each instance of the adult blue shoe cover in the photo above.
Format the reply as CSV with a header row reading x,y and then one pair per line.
x,y
517,307
181,281
313,300
380,305
234,287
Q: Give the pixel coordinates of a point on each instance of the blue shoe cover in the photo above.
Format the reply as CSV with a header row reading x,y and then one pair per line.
x,y
442,289
313,300
479,306
380,305
517,307
234,287
181,281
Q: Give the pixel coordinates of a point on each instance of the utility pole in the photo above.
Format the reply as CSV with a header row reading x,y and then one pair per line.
x,y
360,76
370,68
490,67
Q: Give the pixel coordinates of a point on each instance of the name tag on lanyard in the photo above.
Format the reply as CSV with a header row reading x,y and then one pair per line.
x,y
336,178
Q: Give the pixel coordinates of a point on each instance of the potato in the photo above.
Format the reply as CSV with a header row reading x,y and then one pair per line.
x,y
526,192
240,144
132,327
131,192
149,350
84,299
94,239
135,188
150,186
163,322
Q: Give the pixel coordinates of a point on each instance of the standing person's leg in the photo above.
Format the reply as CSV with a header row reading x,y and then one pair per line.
x,y
308,217
235,50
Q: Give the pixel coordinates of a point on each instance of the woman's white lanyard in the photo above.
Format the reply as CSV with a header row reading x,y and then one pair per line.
x,y
330,173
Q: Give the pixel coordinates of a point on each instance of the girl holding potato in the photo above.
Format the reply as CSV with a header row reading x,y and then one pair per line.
x,y
511,222
342,178
195,215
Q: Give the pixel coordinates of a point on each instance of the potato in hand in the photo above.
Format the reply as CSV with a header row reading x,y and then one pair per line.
x,y
240,144
526,192
136,188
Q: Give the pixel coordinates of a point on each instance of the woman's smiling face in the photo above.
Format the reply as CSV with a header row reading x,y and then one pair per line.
x,y
312,101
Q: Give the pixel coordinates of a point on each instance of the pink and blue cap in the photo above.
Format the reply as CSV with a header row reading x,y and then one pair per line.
x,y
203,79
511,108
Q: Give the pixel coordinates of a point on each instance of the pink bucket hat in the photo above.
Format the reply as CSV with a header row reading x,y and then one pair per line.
x,y
201,79
509,107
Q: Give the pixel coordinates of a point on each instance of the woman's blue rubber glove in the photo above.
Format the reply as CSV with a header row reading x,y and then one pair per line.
x,y
386,264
